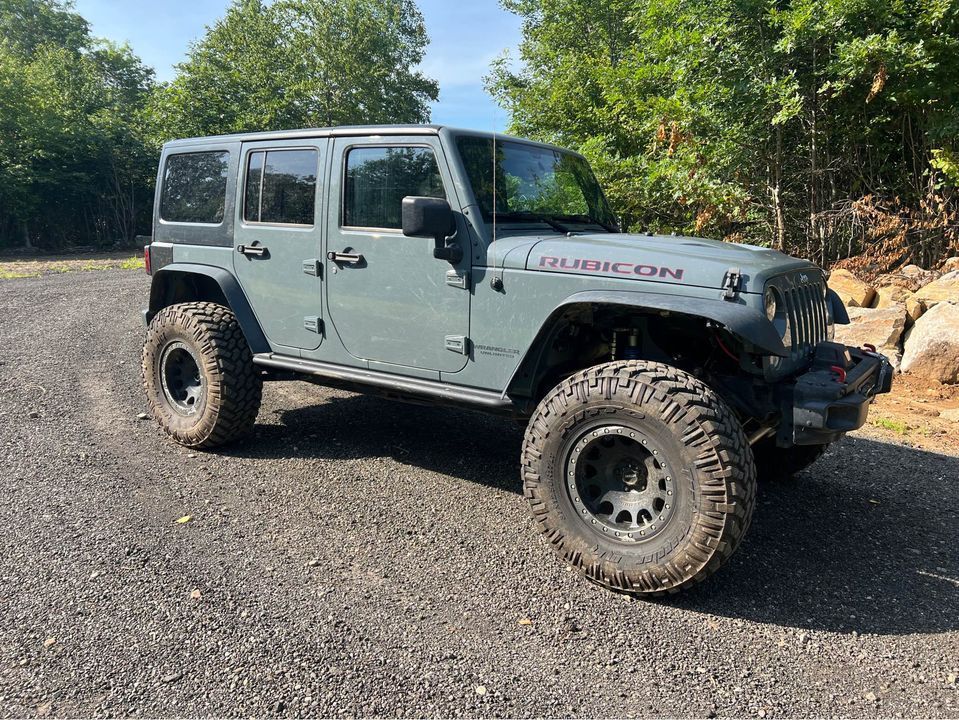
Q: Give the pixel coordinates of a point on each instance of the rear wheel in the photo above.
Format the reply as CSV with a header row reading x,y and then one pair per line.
x,y
199,375
639,475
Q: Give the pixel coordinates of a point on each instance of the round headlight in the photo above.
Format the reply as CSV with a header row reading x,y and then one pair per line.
x,y
771,304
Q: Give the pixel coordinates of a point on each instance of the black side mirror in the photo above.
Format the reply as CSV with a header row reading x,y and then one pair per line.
x,y
432,217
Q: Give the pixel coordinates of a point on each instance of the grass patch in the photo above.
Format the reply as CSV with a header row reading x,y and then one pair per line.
x,y
133,263
896,426
6,274
12,269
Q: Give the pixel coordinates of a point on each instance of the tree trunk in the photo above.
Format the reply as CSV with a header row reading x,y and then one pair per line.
x,y
813,234
26,237
779,241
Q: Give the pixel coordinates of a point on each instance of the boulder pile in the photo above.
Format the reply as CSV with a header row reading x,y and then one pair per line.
x,y
911,316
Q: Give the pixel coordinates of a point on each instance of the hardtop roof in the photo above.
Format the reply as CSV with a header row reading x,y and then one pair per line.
x,y
348,131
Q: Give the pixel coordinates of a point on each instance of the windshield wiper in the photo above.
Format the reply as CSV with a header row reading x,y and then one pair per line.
x,y
590,220
534,216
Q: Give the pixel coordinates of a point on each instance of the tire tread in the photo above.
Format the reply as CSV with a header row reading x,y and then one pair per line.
x,y
236,389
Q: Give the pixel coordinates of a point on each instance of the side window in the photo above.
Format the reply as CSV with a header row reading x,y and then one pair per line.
x,y
377,180
194,187
281,187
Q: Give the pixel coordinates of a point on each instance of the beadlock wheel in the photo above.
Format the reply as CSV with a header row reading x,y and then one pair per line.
x,y
181,379
621,481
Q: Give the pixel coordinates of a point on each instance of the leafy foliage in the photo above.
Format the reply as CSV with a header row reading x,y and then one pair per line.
x,y
75,161
82,120
757,120
301,63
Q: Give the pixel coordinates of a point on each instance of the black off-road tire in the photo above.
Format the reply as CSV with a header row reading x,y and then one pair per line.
x,y
219,402
705,467
775,464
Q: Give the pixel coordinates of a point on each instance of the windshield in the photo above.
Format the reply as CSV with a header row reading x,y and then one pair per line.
x,y
533,184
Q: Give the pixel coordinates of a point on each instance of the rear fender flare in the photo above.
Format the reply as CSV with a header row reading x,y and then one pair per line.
x,y
229,287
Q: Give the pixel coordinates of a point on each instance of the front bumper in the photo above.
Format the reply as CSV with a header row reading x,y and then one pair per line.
x,y
833,396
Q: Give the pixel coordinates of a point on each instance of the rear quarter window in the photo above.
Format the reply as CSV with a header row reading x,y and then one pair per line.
x,y
194,187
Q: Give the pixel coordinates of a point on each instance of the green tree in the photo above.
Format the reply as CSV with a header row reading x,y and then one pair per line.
x,y
76,165
25,25
301,63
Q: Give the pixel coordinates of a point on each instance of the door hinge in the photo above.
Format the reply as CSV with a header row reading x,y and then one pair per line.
x,y
732,283
312,267
458,279
313,324
458,344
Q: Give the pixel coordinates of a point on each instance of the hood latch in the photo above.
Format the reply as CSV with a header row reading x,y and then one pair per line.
x,y
732,283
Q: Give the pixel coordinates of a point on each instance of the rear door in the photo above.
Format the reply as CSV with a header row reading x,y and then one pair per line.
x,y
389,299
278,236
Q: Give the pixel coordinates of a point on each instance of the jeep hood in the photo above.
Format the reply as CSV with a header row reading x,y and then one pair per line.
x,y
653,258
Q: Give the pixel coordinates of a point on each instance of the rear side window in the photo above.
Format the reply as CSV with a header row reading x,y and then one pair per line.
x,y
377,180
281,187
194,187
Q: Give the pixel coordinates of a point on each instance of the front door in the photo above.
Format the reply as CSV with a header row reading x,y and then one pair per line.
x,y
277,239
389,299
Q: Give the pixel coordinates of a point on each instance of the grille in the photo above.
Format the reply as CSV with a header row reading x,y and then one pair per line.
x,y
806,309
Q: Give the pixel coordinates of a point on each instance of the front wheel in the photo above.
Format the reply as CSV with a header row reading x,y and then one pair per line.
x,y
199,375
639,475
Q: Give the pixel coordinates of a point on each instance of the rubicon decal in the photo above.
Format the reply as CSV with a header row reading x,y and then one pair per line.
x,y
606,266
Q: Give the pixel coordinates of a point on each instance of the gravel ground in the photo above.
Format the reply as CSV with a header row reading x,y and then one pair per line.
x,y
359,557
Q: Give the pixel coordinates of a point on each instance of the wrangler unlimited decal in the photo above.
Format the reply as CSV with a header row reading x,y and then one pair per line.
x,y
604,266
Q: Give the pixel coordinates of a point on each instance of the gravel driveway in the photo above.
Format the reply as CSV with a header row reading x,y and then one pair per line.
x,y
360,557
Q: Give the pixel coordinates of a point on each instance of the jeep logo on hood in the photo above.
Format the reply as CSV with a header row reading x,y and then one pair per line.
x,y
605,266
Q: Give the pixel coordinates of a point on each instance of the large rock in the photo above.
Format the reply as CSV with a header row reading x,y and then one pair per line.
x,y
851,290
891,294
898,287
881,327
950,264
914,308
932,345
912,276
945,289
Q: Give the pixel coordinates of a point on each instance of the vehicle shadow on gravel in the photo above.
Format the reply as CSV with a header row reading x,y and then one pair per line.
x,y
862,541
467,445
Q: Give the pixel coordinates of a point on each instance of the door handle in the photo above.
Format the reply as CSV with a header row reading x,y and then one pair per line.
x,y
345,258
254,250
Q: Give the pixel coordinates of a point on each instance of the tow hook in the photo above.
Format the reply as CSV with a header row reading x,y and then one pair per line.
x,y
840,372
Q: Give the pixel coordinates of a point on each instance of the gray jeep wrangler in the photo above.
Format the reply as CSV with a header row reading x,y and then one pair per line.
x,y
658,375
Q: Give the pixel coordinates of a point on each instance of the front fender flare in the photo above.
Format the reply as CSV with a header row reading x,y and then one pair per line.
x,y
743,322
839,314
228,285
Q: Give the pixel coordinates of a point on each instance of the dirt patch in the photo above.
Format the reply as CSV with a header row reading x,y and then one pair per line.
x,y
912,413
51,265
